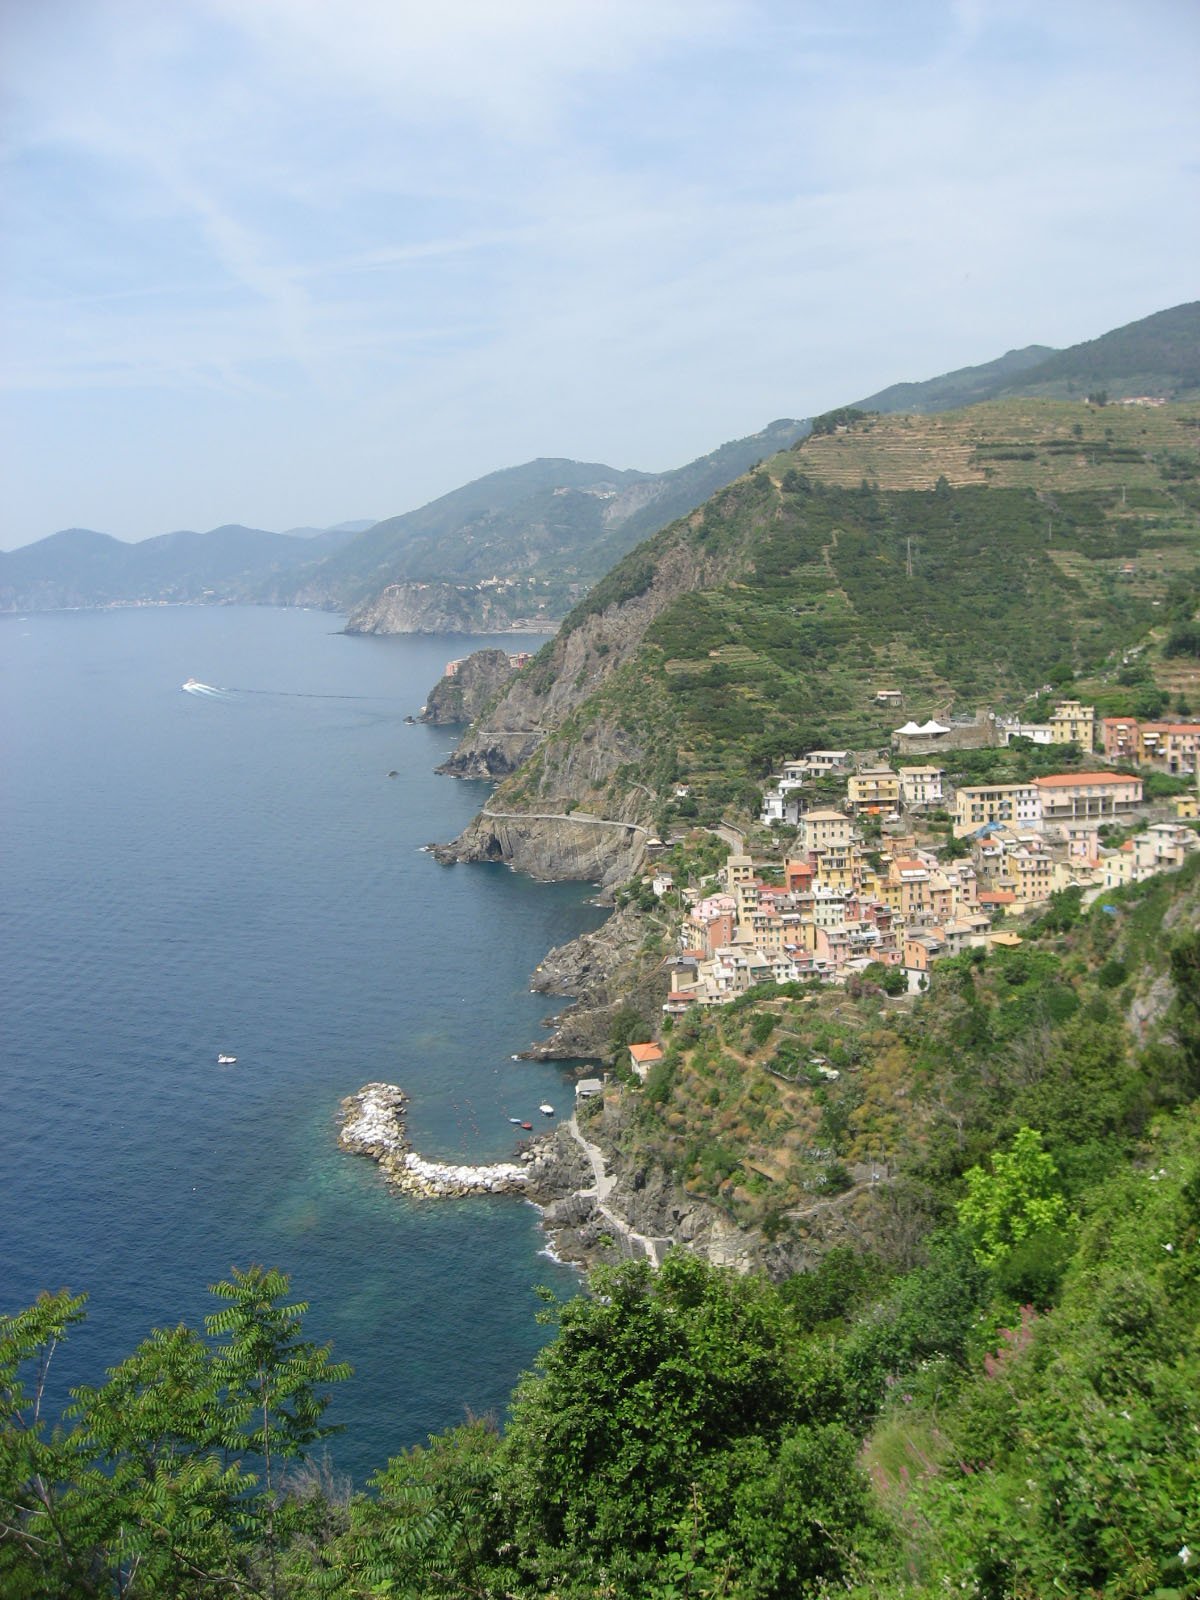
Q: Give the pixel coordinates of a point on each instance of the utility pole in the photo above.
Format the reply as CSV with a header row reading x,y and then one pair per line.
x,y
908,556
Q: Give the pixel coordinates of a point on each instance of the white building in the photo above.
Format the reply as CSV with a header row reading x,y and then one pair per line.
x,y
922,786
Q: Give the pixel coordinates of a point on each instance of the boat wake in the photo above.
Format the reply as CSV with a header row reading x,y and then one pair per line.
x,y
209,690
212,692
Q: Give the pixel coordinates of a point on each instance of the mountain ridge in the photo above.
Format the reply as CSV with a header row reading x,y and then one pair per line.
x,y
528,559
1162,349
822,577
81,567
523,545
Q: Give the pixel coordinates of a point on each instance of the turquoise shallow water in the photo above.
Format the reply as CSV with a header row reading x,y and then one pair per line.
x,y
184,875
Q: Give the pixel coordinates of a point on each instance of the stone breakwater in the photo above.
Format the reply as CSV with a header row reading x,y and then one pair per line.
x,y
373,1124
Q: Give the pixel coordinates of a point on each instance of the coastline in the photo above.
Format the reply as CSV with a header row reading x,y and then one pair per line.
x,y
561,1173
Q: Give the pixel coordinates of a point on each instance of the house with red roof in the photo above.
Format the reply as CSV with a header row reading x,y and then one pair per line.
x,y
1088,796
643,1057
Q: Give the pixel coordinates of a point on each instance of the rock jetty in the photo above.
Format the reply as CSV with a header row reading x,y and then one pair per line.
x,y
373,1124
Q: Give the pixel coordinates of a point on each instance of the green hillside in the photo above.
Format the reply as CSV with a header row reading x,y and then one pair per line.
x,y
507,521
963,387
1004,567
1158,355
553,525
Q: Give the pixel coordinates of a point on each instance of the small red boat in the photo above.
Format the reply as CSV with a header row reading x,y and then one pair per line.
x,y
527,1124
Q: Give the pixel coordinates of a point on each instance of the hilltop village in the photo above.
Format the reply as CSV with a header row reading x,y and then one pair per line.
x,y
888,867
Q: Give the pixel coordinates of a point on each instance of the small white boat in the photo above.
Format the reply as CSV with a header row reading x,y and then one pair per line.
x,y
226,1061
547,1111
515,1120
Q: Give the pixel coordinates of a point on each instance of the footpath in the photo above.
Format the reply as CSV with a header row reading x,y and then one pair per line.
x,y
653,1247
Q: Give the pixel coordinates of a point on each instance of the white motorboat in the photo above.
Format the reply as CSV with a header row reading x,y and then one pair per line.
x,y
547,1111
226,1061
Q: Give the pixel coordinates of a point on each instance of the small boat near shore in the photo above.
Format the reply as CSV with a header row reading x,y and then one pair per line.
x,y
527,1126
546,1110
516,1121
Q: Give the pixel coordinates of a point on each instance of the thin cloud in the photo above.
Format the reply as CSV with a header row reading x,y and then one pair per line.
x,y
343,241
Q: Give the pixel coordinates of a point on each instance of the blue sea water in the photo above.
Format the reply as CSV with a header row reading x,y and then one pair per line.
x,y
188,874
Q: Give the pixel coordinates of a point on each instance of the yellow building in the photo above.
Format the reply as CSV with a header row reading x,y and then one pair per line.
x,y
738,870
824,830
878,786
1031,876
1170,746
1072,723
833,868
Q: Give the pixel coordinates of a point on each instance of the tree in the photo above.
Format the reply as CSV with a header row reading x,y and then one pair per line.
x,y
148,1487
1020,1196
267,1380
662,1396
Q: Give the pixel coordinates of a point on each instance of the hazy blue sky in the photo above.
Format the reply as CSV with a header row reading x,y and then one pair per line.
x,y
292,261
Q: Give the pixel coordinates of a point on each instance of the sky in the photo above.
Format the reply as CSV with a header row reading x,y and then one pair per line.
x,y
287,262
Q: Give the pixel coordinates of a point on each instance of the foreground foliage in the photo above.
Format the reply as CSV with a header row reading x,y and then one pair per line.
x,y
1006,1408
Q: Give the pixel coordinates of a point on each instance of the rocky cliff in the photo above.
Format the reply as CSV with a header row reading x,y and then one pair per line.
x,y
595,641
551,845
477,681
426,608
618,966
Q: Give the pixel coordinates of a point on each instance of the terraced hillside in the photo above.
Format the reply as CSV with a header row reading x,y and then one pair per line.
x,y
880,558
1016,444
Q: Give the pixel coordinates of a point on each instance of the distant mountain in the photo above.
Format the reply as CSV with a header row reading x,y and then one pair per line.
x,y
359,525
1157,356
524,545
519,545
79,567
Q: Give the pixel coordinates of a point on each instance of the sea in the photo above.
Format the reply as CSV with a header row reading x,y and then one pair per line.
x,y
238,869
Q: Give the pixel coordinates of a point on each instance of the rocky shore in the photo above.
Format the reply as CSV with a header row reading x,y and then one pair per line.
x,y
604,973
561,1172
373,1124
555,845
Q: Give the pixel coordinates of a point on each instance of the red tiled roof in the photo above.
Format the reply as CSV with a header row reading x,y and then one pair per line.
x,y
645,1052
1063,780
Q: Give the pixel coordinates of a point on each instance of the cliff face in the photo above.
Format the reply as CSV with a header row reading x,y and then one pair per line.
x,y
478,681
604,972
588,650
549,845
422,608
